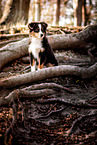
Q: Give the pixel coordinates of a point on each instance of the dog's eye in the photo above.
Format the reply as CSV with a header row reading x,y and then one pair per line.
x,y
31,30
36,30
43,30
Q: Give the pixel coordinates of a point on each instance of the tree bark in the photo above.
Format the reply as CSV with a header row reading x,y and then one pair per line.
x,y
15,11
79,13
34,91
75,3
13,51
37,10
0,8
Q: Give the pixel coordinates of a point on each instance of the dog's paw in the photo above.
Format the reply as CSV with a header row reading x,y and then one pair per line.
x,y
38,68
32,68
42,49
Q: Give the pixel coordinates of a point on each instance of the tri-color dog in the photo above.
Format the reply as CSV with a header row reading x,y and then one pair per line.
x,y
40,51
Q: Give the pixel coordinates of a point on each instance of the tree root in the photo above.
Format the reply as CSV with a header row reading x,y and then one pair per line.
x,y
62,70
34,91
50,113
8,131
67,103
81,41
49,86
20,93
9,41
46,110
92,99
17,35
9,52
77,122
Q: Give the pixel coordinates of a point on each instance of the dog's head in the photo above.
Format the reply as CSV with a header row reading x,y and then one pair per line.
x,y
37,29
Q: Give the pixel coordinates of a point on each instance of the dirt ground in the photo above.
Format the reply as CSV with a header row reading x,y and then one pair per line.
x,y
65,117
49,123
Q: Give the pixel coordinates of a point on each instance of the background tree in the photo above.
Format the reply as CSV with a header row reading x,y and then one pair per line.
x,y
58,11
81,12
49,11
15,11
0,9
37,10
78,11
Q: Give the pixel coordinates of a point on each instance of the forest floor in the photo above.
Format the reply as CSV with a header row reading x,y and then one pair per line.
x,y
52,119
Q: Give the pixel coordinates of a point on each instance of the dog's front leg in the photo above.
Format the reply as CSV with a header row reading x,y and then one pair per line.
x,y
32,62
33,66
41,58
40,66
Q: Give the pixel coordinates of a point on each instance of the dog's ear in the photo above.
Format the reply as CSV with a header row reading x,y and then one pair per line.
x,y
45,24
31,26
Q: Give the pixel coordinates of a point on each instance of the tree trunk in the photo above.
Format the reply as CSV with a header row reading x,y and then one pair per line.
x,y
79,13
75,15
85,41
84,13
58,12
15,11
87,10
37,10
0,9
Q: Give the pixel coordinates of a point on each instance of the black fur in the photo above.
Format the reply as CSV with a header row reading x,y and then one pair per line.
x,y
46,56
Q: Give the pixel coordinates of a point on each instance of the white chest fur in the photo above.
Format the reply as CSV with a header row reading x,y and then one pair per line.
x,y
35,47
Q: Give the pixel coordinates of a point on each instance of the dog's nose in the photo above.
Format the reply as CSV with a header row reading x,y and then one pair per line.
x,y
41,35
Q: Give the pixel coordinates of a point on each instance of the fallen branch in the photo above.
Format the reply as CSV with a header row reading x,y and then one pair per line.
x,y
62,70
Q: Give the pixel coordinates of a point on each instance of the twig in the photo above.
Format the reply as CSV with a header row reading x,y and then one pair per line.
x,y
47,110
50,113
92,99
44,110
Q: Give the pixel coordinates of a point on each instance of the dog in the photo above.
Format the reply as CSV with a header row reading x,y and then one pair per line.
x,y
40,51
